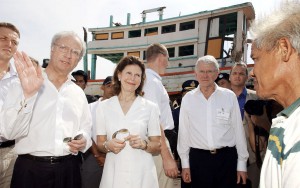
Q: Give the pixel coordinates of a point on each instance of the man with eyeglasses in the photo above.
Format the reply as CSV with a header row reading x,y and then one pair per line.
x,y
19,84
211,141
60,126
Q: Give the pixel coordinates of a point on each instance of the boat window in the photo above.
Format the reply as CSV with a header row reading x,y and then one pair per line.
x,y
168,28
113,57
117,35
151,31
134,33
187,25
186,50
101,36
171,51
136,54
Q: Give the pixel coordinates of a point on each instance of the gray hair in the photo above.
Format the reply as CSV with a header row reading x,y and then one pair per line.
x,y
63,34
208,59
284,22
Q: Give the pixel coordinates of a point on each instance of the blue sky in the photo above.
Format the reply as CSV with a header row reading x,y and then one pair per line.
x,y
39,20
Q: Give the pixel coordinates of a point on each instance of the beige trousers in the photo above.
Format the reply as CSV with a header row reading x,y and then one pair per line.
x,y
7,162
163,180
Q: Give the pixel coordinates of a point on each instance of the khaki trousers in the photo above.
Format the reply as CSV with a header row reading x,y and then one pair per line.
x,y
7,162
163,180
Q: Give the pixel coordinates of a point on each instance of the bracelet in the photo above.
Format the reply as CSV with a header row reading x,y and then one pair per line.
x,y
105,146
146,143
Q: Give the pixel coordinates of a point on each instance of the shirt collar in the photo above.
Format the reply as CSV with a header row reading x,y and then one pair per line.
x,y
244,93
290,109
150,71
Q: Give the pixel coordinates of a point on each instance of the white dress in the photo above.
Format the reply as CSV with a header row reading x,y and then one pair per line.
x,y
131,168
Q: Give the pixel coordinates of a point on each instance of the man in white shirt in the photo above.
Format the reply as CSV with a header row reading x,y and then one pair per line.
x,y
157,62
211,140
60,126
275,52
17,98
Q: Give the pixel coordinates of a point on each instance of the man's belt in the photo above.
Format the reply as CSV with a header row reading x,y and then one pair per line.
x,y
214,151
47,159
7,143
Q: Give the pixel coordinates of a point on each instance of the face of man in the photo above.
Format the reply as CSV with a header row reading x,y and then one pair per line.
x,y
238,76
164,62
65,54
266,72
224,83
206,74
79,80
107,91
9,41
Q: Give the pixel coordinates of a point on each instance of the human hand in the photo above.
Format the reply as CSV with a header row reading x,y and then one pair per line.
x,y
170,167
100,159
241,177
186,175
115,145
77,145
135,141
30,77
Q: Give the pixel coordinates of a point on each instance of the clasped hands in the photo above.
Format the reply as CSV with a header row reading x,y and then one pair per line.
x,y
116,144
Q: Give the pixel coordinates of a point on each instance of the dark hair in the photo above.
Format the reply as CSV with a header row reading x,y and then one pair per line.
x,y
10,26
125,61
154,50
81,73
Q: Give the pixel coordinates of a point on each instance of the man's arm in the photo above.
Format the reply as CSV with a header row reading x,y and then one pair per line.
x,y
169,163
18,105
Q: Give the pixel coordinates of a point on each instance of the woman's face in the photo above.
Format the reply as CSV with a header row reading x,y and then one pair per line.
x,y
130,78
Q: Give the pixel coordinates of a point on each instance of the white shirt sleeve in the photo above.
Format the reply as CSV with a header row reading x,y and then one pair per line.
x,y
241,144
15,114
183,136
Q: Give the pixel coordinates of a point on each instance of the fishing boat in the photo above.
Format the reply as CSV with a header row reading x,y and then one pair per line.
x,y
221,32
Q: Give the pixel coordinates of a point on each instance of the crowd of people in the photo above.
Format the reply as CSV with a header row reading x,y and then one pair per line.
x,y
220,134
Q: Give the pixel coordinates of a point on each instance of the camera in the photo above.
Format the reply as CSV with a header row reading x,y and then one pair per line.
x,y
255,107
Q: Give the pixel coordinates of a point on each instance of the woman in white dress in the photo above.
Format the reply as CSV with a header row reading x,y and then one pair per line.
x,y
128,130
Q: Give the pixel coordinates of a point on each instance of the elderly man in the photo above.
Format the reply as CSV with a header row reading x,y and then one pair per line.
x,y
60,126
275,51
211,141
18,86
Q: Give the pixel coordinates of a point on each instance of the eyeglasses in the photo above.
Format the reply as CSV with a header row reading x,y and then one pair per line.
x,y
65,49
206,72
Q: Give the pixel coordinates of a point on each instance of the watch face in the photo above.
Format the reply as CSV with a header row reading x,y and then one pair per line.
x,y
121,134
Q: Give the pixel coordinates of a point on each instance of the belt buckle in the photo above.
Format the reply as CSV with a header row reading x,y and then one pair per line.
x,y
214,151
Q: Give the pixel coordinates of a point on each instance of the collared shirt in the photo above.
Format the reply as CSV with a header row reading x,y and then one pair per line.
x,y
57,114
210,124
156,92
242,100
15,112
281,164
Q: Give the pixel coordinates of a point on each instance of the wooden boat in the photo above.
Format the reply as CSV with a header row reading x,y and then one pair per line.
x,y
221,32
